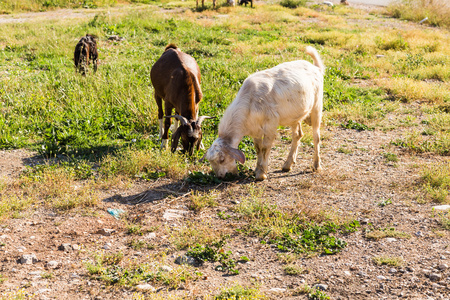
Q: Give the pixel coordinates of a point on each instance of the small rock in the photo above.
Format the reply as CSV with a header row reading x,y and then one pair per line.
x,y
53,264
106,231
107,246
28,259
364,221
150,236
392,271
35,273
419,234
277,290
441,207
390,240
186,260
443,267
76,247
435,277
409,269
14,270
166,268
145,287
173,214
321,286
347,273
65,247
41,291
74,275
381,277
436,286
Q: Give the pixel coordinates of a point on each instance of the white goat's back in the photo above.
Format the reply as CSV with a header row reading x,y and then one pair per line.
x,y
285,94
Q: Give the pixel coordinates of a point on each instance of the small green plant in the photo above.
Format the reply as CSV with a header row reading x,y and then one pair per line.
x,y
318,294
201,178
356,126
344,149
239,292
2,279
386,232
200,201
293,270
47,275
383,203
390,157
387,260
215,253
292,3
139,244
436,182
134,229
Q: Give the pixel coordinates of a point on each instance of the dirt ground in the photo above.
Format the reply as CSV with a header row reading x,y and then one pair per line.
x,y
352,184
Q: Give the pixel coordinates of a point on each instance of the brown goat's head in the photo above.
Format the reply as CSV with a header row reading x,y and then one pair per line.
x,y
190,133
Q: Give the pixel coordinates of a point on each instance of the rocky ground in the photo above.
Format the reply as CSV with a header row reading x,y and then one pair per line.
x,y
45,253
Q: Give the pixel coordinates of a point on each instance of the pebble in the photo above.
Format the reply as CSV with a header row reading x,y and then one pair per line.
x,y
381,277
151,235
28,259
390,240
41,291
186,260
145,287
441,207
419,233
393,270
166,268
107,246
53,264
443,267
435,277
65,247
321,286
347,273
173,214
277,290
76,247
106,231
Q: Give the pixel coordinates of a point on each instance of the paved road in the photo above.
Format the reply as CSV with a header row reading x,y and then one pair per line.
x,y
372,2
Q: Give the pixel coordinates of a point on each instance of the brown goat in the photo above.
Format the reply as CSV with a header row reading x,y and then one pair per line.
x,y
85,51
176,79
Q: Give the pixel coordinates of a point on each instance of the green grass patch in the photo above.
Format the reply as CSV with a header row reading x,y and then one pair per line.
x,y
436,182
237,292
388,260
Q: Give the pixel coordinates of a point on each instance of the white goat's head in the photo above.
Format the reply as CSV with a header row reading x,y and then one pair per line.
x,y
222,158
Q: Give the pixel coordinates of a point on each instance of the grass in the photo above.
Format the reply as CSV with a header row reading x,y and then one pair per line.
x,y
237,292
386,232
436,182
388,260
437,11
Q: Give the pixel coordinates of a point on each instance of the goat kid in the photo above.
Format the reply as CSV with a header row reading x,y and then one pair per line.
x,y
85,51
176,79
284,95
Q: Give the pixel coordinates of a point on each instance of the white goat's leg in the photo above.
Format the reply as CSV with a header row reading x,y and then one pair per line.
x,y
297,134
164,144
174,125
263,146
161,127
315,122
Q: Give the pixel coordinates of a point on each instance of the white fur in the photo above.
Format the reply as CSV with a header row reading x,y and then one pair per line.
x,y
283,95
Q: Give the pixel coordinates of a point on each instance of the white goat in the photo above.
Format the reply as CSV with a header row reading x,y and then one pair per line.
x,y
284,95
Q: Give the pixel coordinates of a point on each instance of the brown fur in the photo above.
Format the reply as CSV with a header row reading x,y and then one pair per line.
x,y
86,51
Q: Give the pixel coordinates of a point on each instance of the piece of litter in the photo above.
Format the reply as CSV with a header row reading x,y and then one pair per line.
x,y
328,3
423,20
115,212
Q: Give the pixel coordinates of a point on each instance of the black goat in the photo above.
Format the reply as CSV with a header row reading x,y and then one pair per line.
x,y
85,51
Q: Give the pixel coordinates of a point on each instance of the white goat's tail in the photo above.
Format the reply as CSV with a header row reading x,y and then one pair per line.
x,y
316,58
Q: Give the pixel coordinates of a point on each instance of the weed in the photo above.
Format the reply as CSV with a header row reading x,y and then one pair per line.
x,y
213,253
293,270
436,181
383,203
239,292
386,232
390,157
292,3
201,178
387,260
344,149
2,279
47,275
355,125
317,294
200,201
134,229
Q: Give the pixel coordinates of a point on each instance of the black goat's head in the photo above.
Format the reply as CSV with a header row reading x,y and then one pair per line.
x,y
190,133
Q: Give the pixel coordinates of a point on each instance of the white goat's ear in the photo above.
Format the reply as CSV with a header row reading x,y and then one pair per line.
x,y
236,154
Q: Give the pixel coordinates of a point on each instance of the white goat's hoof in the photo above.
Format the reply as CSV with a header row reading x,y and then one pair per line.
x,y
164,144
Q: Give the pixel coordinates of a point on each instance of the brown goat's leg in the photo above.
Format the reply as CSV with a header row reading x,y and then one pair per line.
x,y
95,65
160,115
167,122
297,134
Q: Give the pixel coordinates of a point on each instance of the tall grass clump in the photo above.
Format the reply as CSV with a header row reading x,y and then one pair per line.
x,y
437,11
11,6
436,182
292,3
